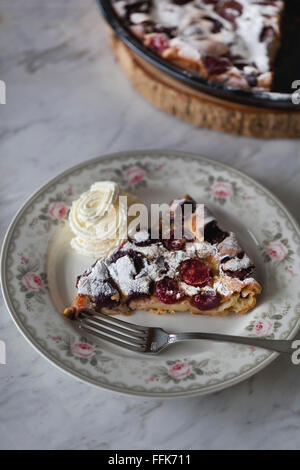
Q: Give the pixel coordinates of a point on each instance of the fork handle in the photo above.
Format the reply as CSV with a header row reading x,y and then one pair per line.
x,y
281,346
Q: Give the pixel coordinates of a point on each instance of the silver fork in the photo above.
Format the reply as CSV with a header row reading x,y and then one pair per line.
x,y
150,340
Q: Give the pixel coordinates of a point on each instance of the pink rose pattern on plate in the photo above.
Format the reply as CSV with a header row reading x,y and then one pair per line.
x,y
276,248
181,369
222,190
58,210
268,323
177,371
134,175
82,350
55,211
32,282
86,353
263,327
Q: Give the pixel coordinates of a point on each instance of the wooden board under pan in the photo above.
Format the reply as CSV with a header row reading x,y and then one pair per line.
x,y
201,109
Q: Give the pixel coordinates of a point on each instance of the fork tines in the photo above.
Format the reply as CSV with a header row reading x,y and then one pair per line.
x,y
113,330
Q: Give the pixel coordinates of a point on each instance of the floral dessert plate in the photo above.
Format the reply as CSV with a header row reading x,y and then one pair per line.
x,y
39,270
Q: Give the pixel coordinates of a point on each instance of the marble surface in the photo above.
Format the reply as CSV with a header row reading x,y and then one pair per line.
x,y
68,101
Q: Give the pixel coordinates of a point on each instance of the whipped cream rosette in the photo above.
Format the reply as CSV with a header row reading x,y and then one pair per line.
x,y
98,219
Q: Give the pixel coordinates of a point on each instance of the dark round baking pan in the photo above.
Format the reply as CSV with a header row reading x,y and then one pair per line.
x,y
287,65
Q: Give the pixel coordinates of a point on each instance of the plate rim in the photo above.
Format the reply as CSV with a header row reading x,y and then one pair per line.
x,y
159,394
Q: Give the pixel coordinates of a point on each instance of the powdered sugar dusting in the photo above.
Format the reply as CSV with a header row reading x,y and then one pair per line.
x,y
132,269
96,282
125,276
189,290
205,249
222,288
141,236
235,264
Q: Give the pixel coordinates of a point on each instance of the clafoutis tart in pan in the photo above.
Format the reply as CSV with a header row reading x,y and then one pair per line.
x,y
230,42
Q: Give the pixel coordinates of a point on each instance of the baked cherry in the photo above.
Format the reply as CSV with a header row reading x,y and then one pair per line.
x,y
195,273
159,43
216,65
206,301
104,300
213,234
167,291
